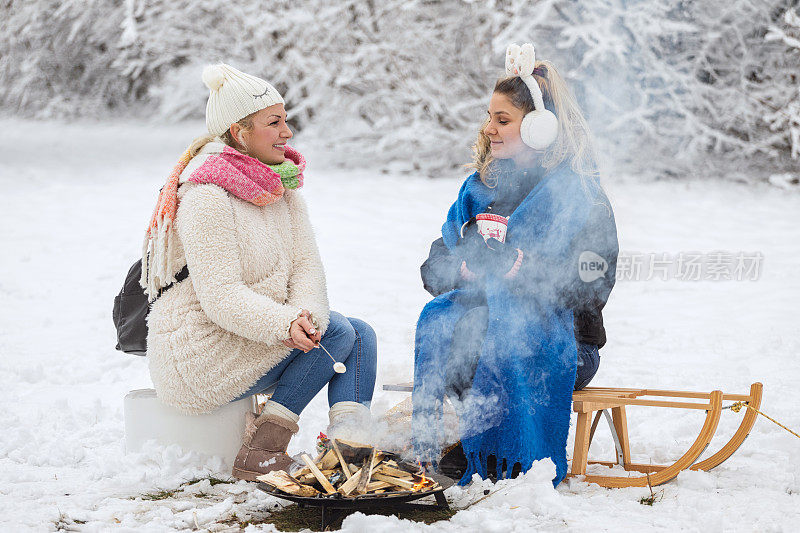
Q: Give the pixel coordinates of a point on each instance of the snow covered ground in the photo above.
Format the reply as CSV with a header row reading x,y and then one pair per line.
x,y
74,205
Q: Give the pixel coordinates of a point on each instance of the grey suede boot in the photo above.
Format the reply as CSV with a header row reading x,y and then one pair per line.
x,y
264,446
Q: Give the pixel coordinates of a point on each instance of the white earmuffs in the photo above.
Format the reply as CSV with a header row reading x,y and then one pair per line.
x,y
539,128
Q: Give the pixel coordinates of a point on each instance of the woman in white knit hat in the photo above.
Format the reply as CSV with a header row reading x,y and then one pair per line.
x,y
255,299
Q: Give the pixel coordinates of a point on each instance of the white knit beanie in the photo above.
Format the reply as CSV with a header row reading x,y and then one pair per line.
x,y
234,95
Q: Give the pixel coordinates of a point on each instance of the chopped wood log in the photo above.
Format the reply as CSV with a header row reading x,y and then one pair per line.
x,y
342,462
300,472
284,482
309,478
328,461
376,458
354,452
409,467
403,465
366,474
350,485
323,481
397,482
394,472
377,485
381,473
353,444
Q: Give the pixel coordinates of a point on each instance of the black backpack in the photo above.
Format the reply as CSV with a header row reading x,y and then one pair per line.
x,y
131,308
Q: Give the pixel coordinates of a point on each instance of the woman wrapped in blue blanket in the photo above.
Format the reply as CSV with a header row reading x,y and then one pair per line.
x,y
520,276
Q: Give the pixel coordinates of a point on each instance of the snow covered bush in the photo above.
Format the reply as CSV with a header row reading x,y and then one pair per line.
x,y
670,87
785,115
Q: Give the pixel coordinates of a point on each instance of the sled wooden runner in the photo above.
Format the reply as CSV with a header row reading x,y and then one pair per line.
x,y
602,400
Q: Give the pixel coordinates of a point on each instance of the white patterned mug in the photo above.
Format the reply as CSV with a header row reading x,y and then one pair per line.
x,y
492,226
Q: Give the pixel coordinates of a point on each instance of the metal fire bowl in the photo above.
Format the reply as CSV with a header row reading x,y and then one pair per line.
x,y
364,501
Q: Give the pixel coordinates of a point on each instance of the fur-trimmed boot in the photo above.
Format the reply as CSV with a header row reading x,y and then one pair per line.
x,y
264,446
350,421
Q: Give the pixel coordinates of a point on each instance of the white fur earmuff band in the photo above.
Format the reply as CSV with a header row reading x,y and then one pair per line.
x,y
539,128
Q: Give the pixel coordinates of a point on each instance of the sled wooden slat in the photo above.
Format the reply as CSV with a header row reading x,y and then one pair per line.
x,y
609,403
593,400
618,392
631,467
399,387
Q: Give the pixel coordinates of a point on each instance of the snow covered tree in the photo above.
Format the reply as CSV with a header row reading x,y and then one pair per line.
x,y
785,105
670,87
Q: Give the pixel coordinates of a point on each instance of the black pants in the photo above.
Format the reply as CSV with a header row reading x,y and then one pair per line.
x,y
465,352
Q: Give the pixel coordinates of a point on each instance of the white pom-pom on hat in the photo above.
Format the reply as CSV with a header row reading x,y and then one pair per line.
x,y
213,77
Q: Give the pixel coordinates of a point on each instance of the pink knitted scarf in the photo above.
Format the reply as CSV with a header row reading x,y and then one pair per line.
x,y
243,176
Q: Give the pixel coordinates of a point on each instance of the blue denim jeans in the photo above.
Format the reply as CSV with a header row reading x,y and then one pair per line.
x,y
300,376
588,363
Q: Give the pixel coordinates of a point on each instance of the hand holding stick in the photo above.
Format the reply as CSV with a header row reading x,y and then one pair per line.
x,y
306,337
302,333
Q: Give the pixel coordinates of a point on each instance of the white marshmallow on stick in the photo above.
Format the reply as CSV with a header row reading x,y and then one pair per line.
x,y
338,367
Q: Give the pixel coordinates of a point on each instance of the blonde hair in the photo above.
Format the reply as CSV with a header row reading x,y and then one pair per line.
x,y
574,142
246,124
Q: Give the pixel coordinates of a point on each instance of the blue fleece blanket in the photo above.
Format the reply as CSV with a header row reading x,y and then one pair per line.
x,y
519,406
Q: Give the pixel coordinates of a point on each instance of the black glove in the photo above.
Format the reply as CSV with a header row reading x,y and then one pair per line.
x,y
497,258
470,243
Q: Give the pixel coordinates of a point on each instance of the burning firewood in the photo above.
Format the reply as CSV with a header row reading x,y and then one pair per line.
x,y
335,471
377,485
394,472
397,482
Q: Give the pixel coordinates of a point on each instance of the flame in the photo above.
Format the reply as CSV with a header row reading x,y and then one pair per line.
x,y
423,482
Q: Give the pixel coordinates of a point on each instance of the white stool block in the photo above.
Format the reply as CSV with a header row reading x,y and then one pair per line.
x,y
216,433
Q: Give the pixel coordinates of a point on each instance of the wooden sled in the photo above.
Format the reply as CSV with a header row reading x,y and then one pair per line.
x,y
602,400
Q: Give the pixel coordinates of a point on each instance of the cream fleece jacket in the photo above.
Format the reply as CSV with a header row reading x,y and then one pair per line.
x,y
251,269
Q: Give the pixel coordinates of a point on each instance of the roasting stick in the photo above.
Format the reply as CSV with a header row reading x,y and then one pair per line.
x,y
338,367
